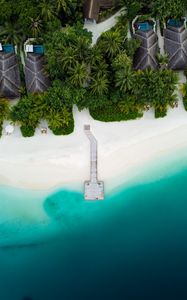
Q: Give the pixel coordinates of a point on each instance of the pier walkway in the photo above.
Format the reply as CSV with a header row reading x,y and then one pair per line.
x,y
93,189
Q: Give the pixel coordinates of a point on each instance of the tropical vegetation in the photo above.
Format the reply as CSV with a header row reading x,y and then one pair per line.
x,y
98,77
183,90
4,112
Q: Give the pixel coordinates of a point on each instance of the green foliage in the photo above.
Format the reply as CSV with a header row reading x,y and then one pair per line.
x,y
132,9
27,130
185,103
4,109
162,60
183,90
124,75
55,106
158,8
58,96
59,102
96,102
110,43
21,19
99,77
67,54
99,84
64,130
29,110
1,128
4,113
112,77
137,7
131,46
69,11
169,8
59,118
78,74
156,88
161,112
112,113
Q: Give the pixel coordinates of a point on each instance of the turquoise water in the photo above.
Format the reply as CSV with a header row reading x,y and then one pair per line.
x,y
131,246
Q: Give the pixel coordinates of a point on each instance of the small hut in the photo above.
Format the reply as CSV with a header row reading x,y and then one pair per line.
x,y
9,74
35,77
175,44
145,56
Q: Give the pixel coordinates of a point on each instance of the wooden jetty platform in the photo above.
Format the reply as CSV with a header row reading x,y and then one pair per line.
x,y
93,189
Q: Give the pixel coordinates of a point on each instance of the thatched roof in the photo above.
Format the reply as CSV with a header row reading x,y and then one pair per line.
x,y
145,56
9,76
92,8
175,43
35,78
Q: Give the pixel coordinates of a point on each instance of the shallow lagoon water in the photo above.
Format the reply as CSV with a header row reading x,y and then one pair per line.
x,y
131,246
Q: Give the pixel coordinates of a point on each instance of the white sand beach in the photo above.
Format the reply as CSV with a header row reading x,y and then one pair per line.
x,y
47,161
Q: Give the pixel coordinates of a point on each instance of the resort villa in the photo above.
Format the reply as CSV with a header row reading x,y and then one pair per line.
x,y
145,56
175,43
9,72
35,78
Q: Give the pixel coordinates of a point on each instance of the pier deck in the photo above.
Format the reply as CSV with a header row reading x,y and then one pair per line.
x,y
93,189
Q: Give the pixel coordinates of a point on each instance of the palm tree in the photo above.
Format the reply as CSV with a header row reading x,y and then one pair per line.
x,y
66,116
36,26
47,10
78,74
68,58
110,43
61,4
163,61
95,56
128,104
81,45
55,120
125,79
100,68
11,34
60,118
122,60
99,84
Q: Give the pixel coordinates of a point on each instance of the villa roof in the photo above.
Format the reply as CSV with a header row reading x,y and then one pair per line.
x,y
92,8
106,3
35,78
9,76
175,43
145,56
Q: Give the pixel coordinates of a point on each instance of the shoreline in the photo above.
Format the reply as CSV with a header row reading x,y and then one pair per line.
x,y
50,162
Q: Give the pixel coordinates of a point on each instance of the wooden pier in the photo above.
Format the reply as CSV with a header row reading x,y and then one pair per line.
x,y
93,189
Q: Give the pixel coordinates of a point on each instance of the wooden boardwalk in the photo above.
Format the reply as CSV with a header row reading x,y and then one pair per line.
x,y
93,189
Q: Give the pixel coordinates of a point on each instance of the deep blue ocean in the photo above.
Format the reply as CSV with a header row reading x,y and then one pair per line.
x,y
132,246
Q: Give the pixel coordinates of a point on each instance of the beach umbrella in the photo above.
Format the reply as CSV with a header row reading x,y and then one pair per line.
x,y
9,129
